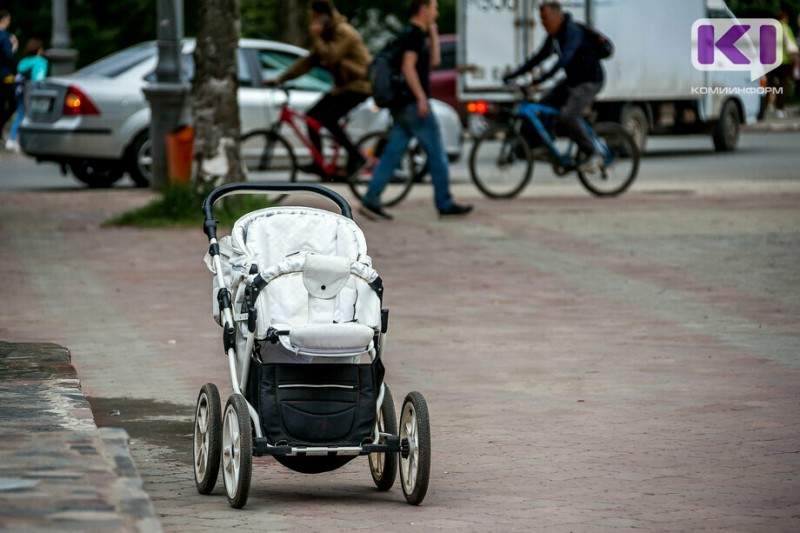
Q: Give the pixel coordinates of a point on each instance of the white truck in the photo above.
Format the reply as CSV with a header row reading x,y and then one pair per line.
x,y
651,84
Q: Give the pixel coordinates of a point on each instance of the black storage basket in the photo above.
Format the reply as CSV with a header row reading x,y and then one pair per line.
x,y
316,404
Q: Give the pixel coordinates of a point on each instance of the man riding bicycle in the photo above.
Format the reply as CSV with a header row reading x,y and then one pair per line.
x,y
337,47
584,78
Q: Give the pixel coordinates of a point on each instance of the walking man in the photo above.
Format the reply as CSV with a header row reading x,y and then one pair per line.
x,y
418,45
8,45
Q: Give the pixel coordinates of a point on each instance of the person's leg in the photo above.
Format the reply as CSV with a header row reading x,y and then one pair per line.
x,y
319,112
781,82
12,136
579,98
427,132
337,107
393,153
8,103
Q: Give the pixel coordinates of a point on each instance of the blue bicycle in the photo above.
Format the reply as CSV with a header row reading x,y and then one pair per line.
x,y
502,158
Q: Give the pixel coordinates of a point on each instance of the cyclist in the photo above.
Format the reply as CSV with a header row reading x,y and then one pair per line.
x,y
583,81
337,47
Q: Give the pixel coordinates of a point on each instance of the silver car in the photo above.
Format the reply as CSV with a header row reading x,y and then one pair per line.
x,y
95,121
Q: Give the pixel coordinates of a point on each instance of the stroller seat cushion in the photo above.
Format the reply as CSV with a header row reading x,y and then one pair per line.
x,y
325,275
348,336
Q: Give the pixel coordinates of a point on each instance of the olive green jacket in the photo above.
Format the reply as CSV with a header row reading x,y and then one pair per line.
x,y
341,51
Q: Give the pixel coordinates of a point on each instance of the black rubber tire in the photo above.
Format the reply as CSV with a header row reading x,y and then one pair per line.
x,y
634,120
506,147
383,466
139,160
371,147
727,128
415,470
615,178
96,173
260,163
209,413
237,451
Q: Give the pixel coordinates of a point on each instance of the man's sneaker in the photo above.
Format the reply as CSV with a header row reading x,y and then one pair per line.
x,y
356,164
455,210
374,212
591,164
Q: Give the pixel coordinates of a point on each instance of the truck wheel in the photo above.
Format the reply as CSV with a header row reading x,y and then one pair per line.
x,y
635,122
726,129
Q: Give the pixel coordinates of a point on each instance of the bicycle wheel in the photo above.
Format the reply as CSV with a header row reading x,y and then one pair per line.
x,y
268,156
500,163
620,163
371,146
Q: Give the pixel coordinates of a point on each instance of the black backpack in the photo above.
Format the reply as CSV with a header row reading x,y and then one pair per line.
x,y
388,85
599,43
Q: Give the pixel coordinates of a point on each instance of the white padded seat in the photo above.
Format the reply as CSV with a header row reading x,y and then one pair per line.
x,y
334,339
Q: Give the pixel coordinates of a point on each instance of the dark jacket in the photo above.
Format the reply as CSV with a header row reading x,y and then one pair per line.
x,y
6,54
575,56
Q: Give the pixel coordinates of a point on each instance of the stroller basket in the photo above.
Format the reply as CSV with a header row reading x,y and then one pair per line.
x,y
316,404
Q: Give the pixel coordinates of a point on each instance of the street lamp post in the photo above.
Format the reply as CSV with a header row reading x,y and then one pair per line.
x,y
168,93
62,57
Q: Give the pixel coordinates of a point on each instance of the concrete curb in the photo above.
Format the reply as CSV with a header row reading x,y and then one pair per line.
x,y
58,471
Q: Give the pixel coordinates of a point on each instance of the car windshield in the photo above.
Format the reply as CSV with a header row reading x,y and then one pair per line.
x,y
274,62
116,64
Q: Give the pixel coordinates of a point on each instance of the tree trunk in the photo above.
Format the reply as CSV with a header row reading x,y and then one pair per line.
x,y
293,22
215,109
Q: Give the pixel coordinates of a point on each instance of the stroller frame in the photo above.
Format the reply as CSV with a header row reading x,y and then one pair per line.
x,y
242,435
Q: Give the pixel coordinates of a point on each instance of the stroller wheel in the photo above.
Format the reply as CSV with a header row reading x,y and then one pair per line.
x,y
415,435
207,438
237,451
383,466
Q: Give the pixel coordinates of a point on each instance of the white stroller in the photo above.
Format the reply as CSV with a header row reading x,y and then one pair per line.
x,y
303,328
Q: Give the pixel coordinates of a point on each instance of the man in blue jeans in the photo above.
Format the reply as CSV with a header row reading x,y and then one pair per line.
x,y
413,116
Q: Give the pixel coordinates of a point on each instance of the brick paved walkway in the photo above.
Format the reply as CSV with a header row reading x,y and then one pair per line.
x,y
589,365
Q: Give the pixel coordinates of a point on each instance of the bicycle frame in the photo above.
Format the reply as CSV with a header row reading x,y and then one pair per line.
x,y
531,111
294,119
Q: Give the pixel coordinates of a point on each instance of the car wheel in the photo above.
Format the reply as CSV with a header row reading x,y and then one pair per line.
x,y
97,174
139,160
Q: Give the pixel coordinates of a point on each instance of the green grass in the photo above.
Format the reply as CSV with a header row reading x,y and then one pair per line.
x,y
181,207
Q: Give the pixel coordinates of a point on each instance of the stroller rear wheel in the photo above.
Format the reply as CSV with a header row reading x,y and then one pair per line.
x,y
415,438
237,451
383,466
207,438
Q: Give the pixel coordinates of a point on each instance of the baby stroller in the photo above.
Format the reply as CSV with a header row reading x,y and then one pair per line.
x,y
303,329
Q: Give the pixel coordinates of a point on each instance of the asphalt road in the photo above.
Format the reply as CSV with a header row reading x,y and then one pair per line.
x,y
761,156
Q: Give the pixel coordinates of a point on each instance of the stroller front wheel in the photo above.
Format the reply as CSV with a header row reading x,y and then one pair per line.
x,y
207,438
383,466
415,437
237,451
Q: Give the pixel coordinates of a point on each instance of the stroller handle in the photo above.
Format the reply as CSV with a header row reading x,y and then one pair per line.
x,y
265,187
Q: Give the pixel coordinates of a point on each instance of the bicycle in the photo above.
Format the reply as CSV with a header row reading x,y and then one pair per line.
x,y
268,156
501,161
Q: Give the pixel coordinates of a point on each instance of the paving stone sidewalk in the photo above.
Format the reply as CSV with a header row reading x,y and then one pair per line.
x,y
58,471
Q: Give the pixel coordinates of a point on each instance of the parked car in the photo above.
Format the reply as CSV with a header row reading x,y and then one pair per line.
x,y
96,121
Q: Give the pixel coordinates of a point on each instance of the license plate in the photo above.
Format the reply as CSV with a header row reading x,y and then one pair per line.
x,y
41,105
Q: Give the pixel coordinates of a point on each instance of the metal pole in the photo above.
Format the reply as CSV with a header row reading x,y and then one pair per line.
x,y
590,12
168,94
62,57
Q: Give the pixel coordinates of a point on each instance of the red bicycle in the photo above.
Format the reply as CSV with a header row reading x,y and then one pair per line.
x,y
268,156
